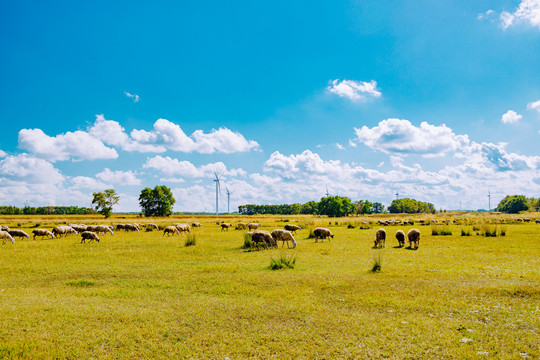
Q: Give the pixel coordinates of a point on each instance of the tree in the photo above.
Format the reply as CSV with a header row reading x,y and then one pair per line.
x,y
513,204
104,201
157,201
336,206
410,206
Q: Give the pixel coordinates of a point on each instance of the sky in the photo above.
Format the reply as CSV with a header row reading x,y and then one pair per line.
x,y
436,101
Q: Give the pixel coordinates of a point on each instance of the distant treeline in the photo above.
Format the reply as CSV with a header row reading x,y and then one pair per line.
x,y
46,210
410,206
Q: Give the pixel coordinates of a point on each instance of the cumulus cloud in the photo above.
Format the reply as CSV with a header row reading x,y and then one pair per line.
x,y
170,167
527,12
119,177
402,137
354,90
511,117
78,145
29,169
88,183
167,135
3,154
135,97
535,105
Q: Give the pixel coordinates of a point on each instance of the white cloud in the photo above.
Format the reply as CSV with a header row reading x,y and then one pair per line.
x,y
3,154
167,135
527,12
400,136
535,105
84,182
511,117
78,145
135,97
28,169
172,180
119,177
354,90
171,167
339,146
485,15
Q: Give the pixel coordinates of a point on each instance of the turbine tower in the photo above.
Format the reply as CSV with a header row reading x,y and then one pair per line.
x,y
397,195
218,190
327,194
228,198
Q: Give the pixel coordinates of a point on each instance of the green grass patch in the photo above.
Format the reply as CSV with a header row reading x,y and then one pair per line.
x,y
283,262
440,230
81,283
191,239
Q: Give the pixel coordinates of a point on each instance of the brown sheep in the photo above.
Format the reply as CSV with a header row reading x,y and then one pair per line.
x,y
18,233
292,228
400,236
184,227
196,224
89,235
284,236
4,235
131,227
322,233
241,226
171,230
263,237
225,226
78,228
42,233
380,238
63,230
151,227
414,238
253,226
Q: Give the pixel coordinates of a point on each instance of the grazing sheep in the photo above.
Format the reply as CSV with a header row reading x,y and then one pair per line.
x,y
78,228
292,228
63,230
196,224
400,236
263,237
42,233
380,238
131,227
526,220
184,227
284,236
322,233
520,219
422,221
151,227
89,235
171,230
225,226
537,221
253,226
4,235
5,228
18,233
414,238
103,229
120,227
241,226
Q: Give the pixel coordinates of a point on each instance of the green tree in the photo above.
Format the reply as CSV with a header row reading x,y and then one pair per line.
x,y
157,201
104,201
336,206
410,206
513,204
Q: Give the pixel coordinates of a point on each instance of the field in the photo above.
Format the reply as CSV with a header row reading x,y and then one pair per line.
x,y
144,295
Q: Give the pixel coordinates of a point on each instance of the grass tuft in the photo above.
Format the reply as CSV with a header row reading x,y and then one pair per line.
x,y
465,232
283,262
248,243
191,239
81,283
437,230
377,261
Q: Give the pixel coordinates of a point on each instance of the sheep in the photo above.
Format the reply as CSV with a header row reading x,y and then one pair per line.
x,y
292,228
171,230
263,237
284,236
42,233
253,226
537,221
78,228
196,224
4,235
322,233
225,226
5,228
184,227
131,227
526,220
18,233
241,226
89,235
120,227
380,238
400,236
151,227
63,231
103,229
414,238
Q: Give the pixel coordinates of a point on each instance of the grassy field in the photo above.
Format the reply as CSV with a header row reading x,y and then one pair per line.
x,y
143,295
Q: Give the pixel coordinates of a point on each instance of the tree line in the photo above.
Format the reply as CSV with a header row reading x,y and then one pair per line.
x,y
46,210
514,204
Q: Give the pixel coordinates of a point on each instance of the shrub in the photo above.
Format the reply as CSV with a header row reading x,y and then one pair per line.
x,y
248,243
191,239
350,226
465,232
377,261
502,231
437,230
283,262
311,234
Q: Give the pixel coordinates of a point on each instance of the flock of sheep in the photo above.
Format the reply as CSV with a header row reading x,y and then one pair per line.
x,y
413,236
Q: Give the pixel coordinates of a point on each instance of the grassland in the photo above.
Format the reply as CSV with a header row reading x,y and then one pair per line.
x,y
143,295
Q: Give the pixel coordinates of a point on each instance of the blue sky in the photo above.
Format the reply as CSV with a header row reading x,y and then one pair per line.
x,y
439,101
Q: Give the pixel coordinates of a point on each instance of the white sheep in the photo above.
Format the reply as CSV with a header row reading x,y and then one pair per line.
x,y
196,224
414,238
171,230
4,235
380,238
400,236
263,237
151,227
18,233
253,226
63,230
284,236
184,227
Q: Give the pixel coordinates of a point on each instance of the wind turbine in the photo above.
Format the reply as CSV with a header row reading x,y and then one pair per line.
x,y
218,189
327,194
228,198
397,195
